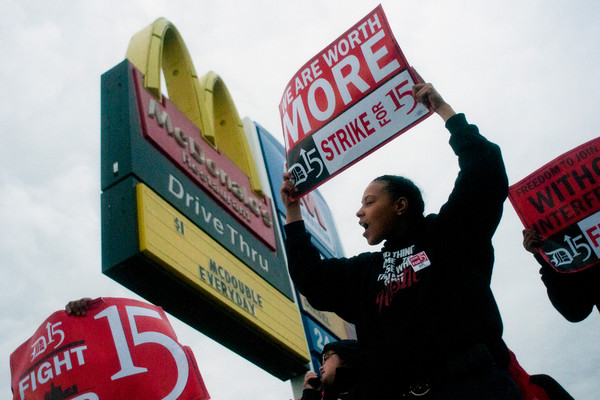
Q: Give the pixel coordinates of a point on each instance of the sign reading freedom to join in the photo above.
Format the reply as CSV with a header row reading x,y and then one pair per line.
x,y
347,101
561,201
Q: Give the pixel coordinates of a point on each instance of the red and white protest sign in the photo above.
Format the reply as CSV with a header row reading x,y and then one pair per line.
x,y
561,201
347,101
121,349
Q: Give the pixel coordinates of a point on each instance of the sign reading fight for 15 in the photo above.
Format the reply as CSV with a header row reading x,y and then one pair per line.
x,y
121,348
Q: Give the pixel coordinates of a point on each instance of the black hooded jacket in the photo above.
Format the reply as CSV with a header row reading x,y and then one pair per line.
x,y
419,304
573,294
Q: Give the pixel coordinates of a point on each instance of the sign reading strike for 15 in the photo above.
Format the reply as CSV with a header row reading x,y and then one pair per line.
x,y
351,98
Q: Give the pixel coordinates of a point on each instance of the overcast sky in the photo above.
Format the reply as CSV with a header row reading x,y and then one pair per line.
x,y
526,72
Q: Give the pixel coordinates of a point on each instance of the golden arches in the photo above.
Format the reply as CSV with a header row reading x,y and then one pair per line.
x,y
205,101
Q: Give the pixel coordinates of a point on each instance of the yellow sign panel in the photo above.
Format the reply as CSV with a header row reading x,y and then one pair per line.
x,y
184,250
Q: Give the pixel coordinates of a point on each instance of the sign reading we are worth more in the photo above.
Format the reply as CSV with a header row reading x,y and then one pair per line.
x,y
121,349
561,201
348,100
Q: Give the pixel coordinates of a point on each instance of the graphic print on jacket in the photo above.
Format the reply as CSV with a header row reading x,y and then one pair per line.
x,y
399,272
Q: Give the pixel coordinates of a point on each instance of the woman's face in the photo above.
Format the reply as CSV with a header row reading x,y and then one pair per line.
x,y
331,362
379,213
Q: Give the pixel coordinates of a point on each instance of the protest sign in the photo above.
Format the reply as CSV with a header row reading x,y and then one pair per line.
x,y
121,349
348,100
561,201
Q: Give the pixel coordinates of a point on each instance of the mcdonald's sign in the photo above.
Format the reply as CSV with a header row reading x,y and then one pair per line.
x,y
186,222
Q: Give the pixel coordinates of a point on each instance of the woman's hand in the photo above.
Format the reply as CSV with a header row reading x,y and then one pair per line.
x,y
292,205
532,240
310,380
78,307
426,94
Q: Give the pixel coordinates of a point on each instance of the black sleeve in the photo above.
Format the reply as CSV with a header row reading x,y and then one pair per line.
x,y
566,291
311,394
474,207
331,284
552,388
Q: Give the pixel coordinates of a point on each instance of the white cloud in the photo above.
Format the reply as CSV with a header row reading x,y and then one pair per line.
x,y
524,72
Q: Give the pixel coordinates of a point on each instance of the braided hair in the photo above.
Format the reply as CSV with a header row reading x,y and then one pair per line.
x,y
399,186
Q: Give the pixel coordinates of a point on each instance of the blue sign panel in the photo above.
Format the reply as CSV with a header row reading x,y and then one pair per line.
x,y
317,336
315,212
319,223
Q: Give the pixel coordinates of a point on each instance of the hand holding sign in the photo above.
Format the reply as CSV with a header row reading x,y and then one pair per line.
x,y
426,94
288,191
532,241
78,307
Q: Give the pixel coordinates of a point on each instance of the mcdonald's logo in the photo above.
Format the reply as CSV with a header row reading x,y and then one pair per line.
x,y
203,133
199,239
